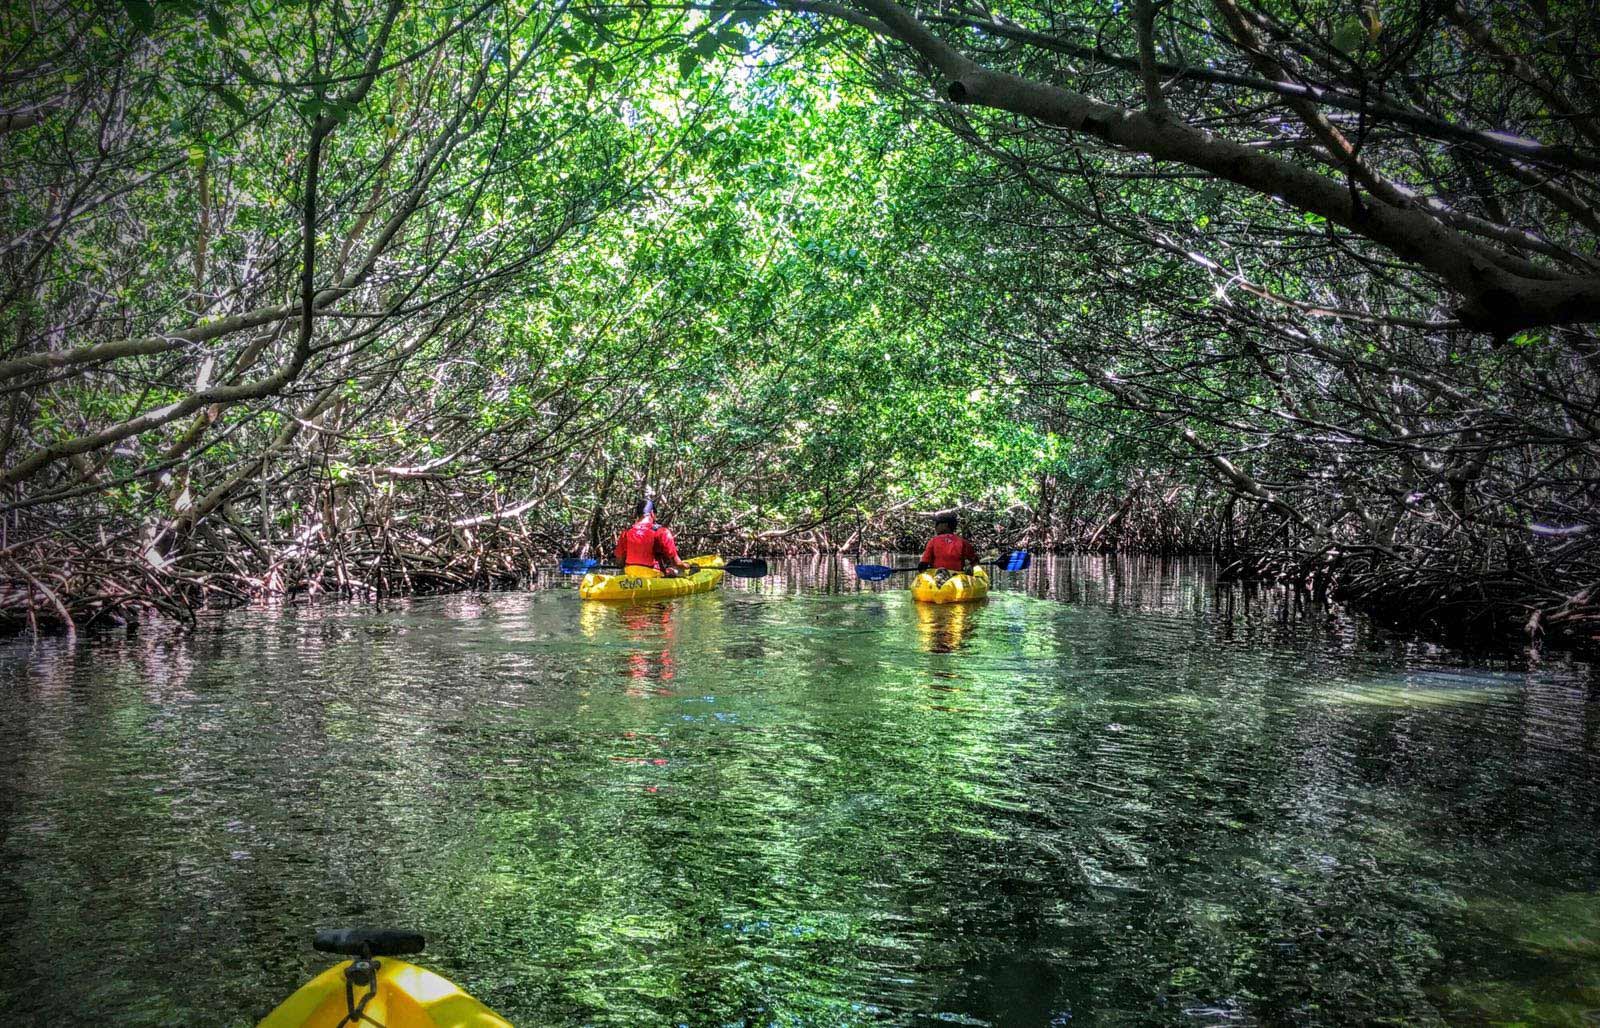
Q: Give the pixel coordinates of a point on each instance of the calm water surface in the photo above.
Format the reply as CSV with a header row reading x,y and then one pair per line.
x,y
1111,795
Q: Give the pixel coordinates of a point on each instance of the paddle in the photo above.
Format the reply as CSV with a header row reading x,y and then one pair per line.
x,y
878,572
1016,560
738,567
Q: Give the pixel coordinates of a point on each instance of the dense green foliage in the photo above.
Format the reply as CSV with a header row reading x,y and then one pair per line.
x,y
377,297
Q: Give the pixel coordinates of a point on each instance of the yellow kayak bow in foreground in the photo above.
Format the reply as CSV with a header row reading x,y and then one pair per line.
x,y
377,989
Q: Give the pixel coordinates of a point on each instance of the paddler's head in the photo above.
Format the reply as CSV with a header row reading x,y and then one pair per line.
x,y
944,524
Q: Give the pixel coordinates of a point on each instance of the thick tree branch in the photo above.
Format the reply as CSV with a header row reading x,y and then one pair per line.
x,y
1497,300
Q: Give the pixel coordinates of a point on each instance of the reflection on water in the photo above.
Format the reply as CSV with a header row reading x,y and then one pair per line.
x,y
1111,794
944,627
647,632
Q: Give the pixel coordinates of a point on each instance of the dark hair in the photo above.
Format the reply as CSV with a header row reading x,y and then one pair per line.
x,y
638,508
947,519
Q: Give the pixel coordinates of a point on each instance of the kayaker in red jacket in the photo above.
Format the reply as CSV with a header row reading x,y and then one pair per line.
x,y
947,549
647,549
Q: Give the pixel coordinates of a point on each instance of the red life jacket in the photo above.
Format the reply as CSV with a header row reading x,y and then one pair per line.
x,y
639,543
949,551
666,546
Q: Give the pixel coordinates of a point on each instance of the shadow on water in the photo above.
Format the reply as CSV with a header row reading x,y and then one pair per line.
x,y
1112,794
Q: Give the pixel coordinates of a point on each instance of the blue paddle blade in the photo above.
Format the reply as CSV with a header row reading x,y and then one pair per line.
x,y
873,572
577,565
1016,560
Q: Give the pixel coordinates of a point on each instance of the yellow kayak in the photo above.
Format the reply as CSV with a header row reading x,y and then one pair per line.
x,y
632,588
386,991
950,587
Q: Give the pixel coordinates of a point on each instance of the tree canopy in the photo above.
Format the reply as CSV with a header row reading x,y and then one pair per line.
x,y
376,297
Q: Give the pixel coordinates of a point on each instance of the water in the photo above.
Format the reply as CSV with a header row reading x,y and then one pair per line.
x,y
1111,795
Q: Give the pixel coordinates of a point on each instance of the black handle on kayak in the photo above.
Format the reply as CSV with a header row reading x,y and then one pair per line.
x,y
364,942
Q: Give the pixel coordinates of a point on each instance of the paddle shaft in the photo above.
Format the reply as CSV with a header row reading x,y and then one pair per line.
x,y
738,567
878,572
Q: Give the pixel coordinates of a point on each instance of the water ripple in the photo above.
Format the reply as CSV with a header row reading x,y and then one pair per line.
x,y
1112,794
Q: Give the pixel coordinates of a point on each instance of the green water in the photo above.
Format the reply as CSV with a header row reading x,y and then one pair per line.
x,y
1111,795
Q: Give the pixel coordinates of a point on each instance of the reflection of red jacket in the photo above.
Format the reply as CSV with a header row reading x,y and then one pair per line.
x,y
647,544
949,551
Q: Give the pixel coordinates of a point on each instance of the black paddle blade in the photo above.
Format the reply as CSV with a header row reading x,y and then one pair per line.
x,y
746,567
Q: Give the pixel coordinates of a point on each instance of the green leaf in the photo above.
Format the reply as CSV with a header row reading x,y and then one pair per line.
x,y
229,97
1349,36
142,13
216,23
589,68
687,63
244,70
341,109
